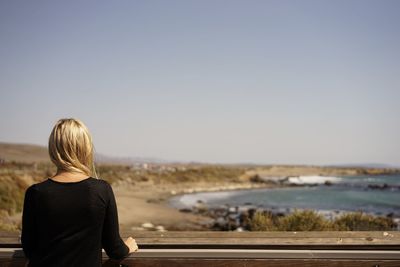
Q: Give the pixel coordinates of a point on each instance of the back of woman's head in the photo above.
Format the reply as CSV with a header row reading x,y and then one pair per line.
x,y
71,148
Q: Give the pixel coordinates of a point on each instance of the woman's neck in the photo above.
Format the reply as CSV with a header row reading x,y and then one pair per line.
x,y
65,176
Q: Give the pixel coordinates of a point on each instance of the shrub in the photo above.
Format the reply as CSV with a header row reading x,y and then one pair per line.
x,y
262,221
307,220
358,221
11,197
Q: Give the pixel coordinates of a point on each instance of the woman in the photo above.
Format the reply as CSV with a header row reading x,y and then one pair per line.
x,y
68,218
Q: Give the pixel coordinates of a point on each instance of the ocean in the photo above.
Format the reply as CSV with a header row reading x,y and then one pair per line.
x,y
379,195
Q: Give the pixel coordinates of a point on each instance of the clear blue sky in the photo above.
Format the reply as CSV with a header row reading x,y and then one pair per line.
x,y
307,82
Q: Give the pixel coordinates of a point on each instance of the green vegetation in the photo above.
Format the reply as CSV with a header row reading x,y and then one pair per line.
x,y
14,180
263,222
16,177
363,222
170,174
11,196
309,220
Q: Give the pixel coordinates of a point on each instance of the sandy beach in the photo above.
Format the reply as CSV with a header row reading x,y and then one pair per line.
x,y
148,203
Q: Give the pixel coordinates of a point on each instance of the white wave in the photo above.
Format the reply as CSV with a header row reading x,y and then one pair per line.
x,y
316,179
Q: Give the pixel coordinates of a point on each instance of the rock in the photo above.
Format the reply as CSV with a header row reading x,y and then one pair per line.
x,y
152,200
385,233
185,210
200,207
378,186
147,225
233,216
221,222
256,179
160,228
135,228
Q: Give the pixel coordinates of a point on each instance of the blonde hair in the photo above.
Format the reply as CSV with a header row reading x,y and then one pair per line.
x,y
71,148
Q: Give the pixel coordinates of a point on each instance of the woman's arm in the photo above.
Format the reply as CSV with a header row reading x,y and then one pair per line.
x,y
28,235
111,240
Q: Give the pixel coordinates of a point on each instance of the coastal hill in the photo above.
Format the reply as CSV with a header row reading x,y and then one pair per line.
x,y
30,153
25,153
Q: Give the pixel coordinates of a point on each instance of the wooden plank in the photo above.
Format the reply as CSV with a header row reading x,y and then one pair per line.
x,y
255,240
251,263
233,258
266,246
255,237
7,253
294,241
195,245
247,241
220,234
305,234
231,263
265,254
244,249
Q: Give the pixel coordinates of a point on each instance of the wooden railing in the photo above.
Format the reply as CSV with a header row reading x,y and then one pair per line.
x,y
250,249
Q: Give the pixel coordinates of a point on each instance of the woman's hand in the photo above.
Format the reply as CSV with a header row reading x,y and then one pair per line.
x,y
131,243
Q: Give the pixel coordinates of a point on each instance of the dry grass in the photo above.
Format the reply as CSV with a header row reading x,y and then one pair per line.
x,y
309,220
359,221
16,177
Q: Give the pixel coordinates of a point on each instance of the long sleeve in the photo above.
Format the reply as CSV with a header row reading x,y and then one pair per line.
x,y
28,235
111,240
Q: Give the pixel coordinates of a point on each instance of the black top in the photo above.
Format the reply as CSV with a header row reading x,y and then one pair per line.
x,y
67,224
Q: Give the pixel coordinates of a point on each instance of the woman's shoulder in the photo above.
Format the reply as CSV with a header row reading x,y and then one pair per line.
x,y
99,181
45,184
100,184
49,186
31,189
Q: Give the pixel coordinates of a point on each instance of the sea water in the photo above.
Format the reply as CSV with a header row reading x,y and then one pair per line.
x,y
379,195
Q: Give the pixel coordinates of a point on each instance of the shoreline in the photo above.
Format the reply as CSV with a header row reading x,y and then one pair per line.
x,y
146,204
155,207
143,192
